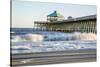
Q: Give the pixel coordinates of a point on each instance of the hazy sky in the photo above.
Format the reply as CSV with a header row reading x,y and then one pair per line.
x,y
24,13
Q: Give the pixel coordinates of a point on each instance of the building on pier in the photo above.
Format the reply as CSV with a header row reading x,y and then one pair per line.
x,y
55,16
56,22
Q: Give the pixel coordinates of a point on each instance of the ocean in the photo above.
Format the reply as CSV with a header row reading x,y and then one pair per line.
x,y
26,40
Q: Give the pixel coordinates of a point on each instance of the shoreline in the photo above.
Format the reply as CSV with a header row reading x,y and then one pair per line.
x,y
53,57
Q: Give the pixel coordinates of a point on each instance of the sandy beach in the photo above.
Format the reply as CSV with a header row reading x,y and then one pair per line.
x,y
39,58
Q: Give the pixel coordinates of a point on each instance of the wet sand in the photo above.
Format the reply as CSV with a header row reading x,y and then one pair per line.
x,y
41,58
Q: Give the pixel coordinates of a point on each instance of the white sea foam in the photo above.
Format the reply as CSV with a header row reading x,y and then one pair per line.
x,y
53,46
84,36
16,39
34,37
36,43
22,47
28,37
55,37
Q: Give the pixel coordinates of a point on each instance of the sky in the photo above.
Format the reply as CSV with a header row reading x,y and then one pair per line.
x,y
24,13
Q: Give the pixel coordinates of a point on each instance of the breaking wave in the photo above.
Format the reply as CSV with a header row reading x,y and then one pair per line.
x,y
54,37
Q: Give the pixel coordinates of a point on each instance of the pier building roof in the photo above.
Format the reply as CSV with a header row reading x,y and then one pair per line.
x,y
55,14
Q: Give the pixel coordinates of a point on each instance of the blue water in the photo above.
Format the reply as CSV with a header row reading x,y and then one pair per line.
x,y
48,35
53,41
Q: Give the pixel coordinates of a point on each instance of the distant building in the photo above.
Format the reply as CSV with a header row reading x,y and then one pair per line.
x,y
56,22
69,17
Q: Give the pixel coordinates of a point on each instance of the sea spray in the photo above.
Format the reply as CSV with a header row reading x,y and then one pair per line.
x,y
84,36
34,37
28,37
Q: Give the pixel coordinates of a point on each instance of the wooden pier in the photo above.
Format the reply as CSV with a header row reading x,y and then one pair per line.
x,y
81,24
